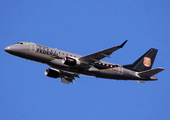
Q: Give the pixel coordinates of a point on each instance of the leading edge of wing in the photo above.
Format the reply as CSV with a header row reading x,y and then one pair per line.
x,y
96,57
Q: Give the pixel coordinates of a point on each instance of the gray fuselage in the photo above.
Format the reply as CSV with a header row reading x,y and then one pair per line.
x,y
54,58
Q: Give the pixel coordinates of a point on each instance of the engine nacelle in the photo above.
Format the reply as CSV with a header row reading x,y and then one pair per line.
x,y
52,73
70,61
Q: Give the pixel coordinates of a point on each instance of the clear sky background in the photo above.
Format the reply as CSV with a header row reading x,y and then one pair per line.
x,y
84,27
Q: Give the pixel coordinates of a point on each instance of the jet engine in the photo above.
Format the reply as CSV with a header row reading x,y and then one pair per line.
x,y
70,61
52,73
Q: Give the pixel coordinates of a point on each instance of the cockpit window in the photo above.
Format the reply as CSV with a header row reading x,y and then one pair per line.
x,y
19,43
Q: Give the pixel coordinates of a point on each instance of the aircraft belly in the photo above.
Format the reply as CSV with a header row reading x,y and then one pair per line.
x,y
109,74
116,74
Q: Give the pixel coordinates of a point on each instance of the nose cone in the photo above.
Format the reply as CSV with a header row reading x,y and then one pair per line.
x,y
8,49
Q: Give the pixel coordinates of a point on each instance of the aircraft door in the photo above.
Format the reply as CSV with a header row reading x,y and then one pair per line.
x,y
32,47
120,70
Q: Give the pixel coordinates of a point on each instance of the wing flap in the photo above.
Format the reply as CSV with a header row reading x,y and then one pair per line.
x,y
67,77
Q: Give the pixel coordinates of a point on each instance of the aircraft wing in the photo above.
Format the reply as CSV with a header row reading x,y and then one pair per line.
x,y
96,57
67,77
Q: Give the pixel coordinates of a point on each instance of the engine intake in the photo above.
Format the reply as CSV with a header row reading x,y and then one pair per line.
x,y
52,73
70,61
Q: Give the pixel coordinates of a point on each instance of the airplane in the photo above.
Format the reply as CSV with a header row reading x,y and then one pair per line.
x,y
68,66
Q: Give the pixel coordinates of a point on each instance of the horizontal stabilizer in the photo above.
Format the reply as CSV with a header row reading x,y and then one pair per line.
x,y
149,73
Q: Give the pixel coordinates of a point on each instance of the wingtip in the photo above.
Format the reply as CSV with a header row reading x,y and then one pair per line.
x,y
161,68
123,44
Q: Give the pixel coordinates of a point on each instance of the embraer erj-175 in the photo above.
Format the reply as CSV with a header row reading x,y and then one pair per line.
x,y
68,66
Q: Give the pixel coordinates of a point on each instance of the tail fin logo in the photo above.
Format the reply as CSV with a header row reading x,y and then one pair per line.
x,y
147,61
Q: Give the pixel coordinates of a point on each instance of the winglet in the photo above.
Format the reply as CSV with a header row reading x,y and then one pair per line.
x,y
122,44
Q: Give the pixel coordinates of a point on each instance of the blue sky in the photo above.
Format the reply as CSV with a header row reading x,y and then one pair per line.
x,y
84,27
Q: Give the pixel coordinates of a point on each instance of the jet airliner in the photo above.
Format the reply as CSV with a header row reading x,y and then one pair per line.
x,y
68,66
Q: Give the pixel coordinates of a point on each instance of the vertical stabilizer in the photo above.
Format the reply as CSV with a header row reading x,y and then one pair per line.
x,y
145,62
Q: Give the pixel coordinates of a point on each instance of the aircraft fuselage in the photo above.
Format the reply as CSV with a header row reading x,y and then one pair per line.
x,y
54,58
